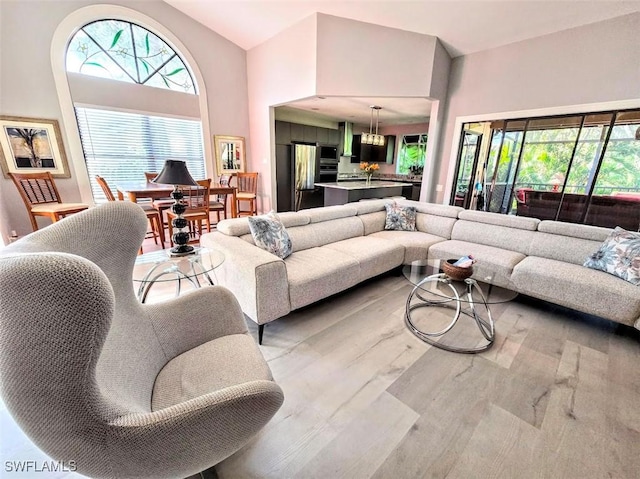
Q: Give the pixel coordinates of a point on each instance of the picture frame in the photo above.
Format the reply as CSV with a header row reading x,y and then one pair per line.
x,y
230,154
32,145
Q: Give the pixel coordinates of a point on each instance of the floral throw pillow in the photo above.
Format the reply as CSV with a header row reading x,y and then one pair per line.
x,y
619,255
269,234
401,218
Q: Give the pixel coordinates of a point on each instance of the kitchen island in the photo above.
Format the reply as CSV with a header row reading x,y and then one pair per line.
x,y
349,191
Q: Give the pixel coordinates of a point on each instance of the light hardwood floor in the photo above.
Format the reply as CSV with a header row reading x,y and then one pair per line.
x,y
558,396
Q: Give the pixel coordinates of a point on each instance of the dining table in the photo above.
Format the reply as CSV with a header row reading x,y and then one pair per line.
x,y
133,190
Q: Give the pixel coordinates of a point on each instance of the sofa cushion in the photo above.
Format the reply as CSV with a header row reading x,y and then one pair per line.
x,y
316,273
499,219
364,207
579,288
240,226
433,209
562,248
326,213
493,265
436,225
400,218
593,233
619,255
188,375
373,222
416,243
269,233
374,255
499,236
319,234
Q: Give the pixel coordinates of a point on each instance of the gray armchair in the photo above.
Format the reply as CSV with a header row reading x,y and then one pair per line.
x,y
123,389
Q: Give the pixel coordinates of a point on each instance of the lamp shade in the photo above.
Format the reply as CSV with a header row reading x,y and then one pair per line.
x,y
175,172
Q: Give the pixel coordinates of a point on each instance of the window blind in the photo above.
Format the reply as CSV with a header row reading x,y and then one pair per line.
x,y
122,146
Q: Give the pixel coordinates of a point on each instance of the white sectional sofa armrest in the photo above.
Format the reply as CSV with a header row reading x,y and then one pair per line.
x,y
257,278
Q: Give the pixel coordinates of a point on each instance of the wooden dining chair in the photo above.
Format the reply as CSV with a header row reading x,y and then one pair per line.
x,y
247,191
153,215
161,204
219,202
41,197
196,200
150,176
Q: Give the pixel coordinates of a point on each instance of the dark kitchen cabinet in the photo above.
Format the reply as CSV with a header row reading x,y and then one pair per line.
x,y
334,137
415,192
322,136
310,134
297,132
287,133
283,132
284,178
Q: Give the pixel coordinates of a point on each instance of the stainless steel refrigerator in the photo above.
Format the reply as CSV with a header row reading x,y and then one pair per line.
x,y
304,168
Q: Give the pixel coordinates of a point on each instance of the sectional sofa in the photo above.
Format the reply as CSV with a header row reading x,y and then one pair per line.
x,y
337,247
619,209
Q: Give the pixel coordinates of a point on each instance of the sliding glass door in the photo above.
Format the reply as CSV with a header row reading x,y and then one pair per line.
x,y
468,160
582,168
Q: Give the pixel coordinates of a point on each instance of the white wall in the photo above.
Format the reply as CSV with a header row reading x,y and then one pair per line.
x,y
331,56
27,86
121,95
362,59
588,65
279,70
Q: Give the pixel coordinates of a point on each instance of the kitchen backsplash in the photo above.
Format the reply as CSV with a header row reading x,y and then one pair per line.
x,y
353,175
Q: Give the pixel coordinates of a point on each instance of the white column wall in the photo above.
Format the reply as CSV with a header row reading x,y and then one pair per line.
x,y
362,59
279,70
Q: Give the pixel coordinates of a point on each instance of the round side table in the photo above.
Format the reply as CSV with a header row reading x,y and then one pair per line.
x,y
451,302
160,267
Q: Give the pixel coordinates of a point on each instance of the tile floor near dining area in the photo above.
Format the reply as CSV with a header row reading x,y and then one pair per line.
x,y
556,396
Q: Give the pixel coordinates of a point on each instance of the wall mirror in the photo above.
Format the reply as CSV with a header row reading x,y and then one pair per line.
x,y
230,154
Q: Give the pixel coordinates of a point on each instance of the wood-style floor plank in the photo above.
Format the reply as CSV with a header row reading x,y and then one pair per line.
x,y
500,446
361,447
556,397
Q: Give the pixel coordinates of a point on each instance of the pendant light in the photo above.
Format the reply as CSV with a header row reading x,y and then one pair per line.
x,y
373,138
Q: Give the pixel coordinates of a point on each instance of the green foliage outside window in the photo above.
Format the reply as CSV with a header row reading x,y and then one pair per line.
x,y
546,158
412,154
620,167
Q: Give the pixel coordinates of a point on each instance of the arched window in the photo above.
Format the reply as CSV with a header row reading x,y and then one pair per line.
x,y
127,52
125,128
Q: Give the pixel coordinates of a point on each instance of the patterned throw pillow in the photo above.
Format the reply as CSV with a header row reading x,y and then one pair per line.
x,y
619,255
269,234
401,218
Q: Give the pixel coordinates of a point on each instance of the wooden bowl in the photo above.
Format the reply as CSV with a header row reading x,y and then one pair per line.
x,y
455,272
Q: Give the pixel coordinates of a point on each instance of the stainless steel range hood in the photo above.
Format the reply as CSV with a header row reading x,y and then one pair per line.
x,y
346,138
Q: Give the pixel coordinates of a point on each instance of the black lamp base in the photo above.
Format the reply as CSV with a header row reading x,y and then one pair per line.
x,y
182,250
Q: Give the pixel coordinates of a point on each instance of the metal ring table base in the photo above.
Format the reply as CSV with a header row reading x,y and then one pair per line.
x,y
486,326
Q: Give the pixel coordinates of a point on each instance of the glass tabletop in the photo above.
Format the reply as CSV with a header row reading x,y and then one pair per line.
x,y
429,278
159,266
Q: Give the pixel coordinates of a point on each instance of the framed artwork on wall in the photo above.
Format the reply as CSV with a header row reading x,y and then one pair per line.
x,y
32,145
230,154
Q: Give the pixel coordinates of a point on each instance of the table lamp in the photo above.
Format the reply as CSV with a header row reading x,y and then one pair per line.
x,y
175,172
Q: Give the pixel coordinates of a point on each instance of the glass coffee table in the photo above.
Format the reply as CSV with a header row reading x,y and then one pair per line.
x,y
159,267
450,314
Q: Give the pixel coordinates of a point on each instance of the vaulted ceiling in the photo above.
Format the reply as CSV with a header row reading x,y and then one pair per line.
x,y
463,27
